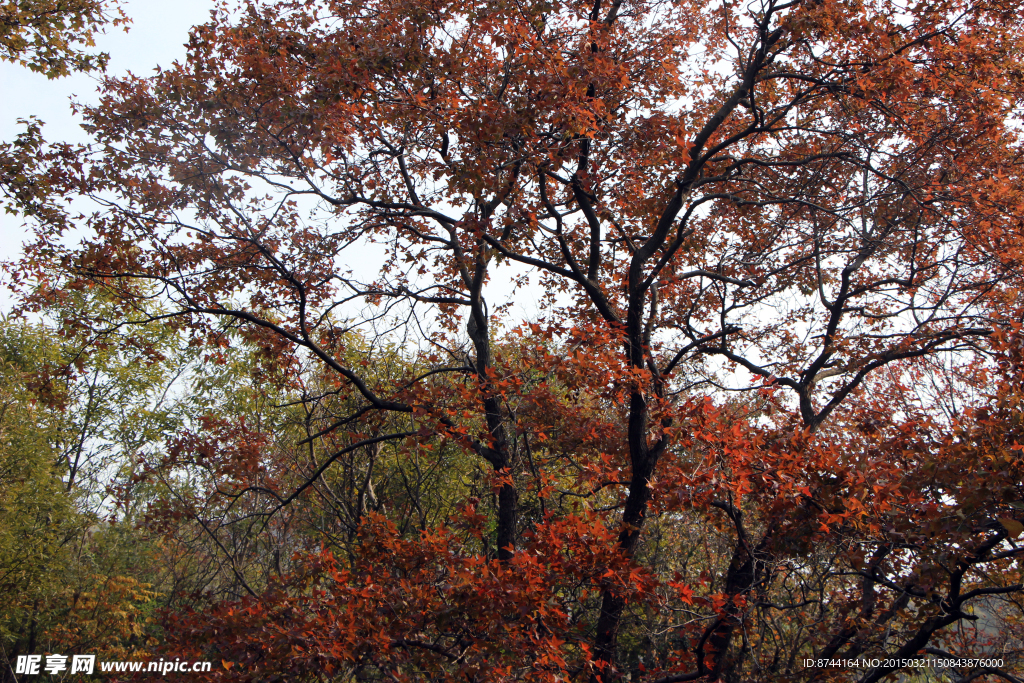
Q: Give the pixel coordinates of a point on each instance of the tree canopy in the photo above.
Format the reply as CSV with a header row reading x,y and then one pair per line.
x,y
53,36
766,411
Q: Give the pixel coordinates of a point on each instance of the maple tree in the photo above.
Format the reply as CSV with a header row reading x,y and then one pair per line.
x,y
765,411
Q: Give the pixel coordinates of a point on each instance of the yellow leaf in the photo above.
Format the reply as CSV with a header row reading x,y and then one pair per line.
x,y
1012,526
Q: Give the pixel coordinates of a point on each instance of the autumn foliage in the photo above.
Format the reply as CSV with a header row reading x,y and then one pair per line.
x,y
55,37
766,406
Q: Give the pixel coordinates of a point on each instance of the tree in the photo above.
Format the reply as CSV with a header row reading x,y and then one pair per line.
x,y
246,428
73,576
48,36
811,204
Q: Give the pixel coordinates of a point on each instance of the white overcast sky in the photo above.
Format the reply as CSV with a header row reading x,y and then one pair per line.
x,y
157,35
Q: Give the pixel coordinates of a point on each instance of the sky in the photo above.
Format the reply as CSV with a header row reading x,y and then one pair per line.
x,y
156,36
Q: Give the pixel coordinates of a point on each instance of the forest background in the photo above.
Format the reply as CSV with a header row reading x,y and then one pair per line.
x,y
515,341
